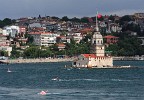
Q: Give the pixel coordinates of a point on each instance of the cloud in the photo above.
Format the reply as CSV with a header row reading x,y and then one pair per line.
x,y
70,8
124,12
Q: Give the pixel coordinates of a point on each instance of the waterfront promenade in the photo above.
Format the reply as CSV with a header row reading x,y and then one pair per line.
x,y
39,60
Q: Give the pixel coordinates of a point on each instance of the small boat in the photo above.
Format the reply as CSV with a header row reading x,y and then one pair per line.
x,y
9,70
55,79
4,60
43,92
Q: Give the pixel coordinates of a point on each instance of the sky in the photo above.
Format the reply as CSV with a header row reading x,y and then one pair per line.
x,y
72,8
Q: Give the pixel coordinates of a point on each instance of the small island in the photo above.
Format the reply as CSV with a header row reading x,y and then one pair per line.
x,y
97,57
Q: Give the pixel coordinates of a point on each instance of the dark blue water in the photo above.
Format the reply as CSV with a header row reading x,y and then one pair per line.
x,y
27,80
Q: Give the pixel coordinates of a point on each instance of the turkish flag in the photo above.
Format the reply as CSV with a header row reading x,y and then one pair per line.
x,y
99,16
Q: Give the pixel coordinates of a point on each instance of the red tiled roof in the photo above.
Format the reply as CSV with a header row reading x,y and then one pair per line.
x,y
22,26
86,30
61,44
40,33
61,36
92,56
4,45
89,55
110,36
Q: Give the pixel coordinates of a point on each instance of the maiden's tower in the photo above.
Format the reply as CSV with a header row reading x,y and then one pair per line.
x,y
97,57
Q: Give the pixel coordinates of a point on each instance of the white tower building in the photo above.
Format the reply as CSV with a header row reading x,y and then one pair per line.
x,y
97,58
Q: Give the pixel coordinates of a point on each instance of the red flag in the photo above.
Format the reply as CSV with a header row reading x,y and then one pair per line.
x,y
99,15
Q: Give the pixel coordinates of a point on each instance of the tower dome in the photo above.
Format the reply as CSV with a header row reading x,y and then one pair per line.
x,y
97,35
97,38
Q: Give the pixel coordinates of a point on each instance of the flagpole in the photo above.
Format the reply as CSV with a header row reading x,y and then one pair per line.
x,y
97,29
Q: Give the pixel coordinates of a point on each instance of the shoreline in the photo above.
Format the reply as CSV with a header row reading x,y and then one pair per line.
x,y
39,60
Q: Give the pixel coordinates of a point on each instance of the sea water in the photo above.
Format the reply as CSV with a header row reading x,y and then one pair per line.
x,y
26,81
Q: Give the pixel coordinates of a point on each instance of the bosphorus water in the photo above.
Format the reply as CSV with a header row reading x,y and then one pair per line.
x,y
26,81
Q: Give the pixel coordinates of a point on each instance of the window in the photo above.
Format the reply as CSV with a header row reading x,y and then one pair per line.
x,y
74,63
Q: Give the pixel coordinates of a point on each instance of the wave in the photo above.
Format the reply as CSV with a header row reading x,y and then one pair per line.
x,y
75,79
24,93
120,80
91,80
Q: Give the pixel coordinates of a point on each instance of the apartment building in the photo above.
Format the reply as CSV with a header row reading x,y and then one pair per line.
x,y
44,38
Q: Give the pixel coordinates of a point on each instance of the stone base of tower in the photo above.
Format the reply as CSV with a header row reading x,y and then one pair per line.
x,y
93,61
101,62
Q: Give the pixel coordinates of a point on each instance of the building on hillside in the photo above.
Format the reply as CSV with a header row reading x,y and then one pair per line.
x,y
4,41
103,27
44,38
61,46
115,27
77,37
11,30
139,18
139,15
111,39
22,29
62,39
52,27
1,30
33,25
5,44
86,31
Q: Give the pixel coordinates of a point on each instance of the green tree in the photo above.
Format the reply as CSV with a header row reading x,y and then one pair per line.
x,y
30,39
132,27
3,53
7,21
113,48
112,18
75,19
84,20
15,53
65,18
125,18
32,52
54,17
2,24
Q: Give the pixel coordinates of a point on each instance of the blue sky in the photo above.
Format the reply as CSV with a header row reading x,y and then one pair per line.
x,y
70,8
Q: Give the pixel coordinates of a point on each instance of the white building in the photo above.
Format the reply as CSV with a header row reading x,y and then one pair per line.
x,y
44,38
7,49
1,30
77,37
97,58
4,44
11,30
